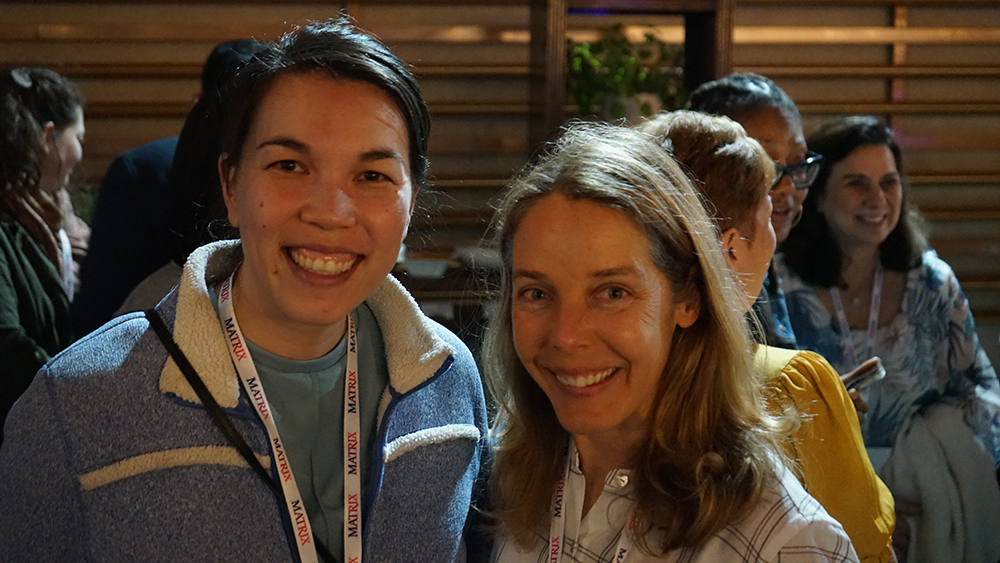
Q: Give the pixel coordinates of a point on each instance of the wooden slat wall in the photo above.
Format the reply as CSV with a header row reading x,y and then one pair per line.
x,y
138,66
931,67
933,70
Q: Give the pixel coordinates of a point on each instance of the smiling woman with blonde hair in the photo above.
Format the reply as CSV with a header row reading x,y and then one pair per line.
x,y
631,424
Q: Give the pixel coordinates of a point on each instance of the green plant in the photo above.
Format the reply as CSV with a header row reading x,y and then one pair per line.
x,y
614,67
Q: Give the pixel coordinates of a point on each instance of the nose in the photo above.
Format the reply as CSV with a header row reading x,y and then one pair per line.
x,y
330,206
570,327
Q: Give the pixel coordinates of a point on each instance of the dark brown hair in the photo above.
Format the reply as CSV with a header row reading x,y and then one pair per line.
x,y
30,97
340,50
810,249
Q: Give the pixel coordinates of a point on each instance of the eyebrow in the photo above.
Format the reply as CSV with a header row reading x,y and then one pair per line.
x,y
302,148
382,154
286,142
608,273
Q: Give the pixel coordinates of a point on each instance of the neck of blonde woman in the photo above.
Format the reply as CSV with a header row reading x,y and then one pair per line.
x,y
601,454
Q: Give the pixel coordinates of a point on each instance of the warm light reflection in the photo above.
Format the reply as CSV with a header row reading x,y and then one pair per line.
x,y
515,36
463,33
635,33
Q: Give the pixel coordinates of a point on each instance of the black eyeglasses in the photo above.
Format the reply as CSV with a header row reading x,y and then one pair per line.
x,y
802,174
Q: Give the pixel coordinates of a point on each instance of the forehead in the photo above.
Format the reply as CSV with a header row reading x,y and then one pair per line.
x,y
559,234
322,106
773,127
870,159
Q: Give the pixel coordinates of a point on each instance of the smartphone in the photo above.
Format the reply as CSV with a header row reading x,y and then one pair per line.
x,y
867,373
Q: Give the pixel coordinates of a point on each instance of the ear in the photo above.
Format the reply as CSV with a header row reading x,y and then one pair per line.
x,y
686,312
48,135
730,248
227,175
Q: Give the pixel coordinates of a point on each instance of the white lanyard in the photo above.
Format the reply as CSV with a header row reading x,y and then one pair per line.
x,y
873,311
247,372
67,263
557,528
352,440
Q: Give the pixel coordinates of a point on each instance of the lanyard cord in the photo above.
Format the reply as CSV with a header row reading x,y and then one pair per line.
x,y
557,526
220,418
873,312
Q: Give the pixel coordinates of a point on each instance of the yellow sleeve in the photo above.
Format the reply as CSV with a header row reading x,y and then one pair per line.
x,y
833,462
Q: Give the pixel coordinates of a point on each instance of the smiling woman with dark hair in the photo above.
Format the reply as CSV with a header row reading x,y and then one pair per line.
x,y
351,424
859,281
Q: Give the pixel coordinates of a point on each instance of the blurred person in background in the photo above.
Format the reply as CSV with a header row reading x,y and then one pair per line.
x,y
134,230
860,280
41,141
196,212
771,117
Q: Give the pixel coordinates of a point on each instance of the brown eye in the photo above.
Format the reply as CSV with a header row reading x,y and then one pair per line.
x,y
285,165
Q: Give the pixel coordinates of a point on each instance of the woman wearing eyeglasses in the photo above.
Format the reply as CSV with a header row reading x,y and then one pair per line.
x,y
860,280
768,115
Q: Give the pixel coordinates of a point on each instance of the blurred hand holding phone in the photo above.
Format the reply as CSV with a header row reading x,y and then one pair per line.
x,y
868,372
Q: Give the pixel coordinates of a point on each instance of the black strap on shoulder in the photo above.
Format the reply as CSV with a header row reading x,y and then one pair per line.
x,y
220,418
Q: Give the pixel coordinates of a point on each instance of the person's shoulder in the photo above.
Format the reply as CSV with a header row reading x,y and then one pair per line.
x,y
156,156
103,350
933,275
159,149
932,265
791,521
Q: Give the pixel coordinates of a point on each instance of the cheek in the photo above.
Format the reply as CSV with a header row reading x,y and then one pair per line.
x,y
799,196
392,221
523,329
895,198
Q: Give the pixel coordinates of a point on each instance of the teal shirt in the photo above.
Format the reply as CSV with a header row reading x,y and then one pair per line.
x,y
306,398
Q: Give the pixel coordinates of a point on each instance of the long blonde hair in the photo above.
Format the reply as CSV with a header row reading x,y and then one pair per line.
x,y
708,451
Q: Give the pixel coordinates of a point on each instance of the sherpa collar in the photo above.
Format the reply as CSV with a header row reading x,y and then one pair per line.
x,y
414,351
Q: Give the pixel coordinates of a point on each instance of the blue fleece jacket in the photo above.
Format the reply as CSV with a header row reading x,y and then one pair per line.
x,y
110,456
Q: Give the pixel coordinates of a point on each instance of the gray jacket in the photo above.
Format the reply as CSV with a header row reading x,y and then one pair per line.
x,y
110,456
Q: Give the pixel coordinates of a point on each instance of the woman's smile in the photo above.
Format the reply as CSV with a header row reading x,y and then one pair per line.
x,y
593,316
323,263
582,379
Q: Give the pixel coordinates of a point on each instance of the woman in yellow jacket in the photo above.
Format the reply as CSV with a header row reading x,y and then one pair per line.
x,y
734,174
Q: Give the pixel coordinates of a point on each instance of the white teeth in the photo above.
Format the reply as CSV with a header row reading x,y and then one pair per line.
x,y
581,382
328,267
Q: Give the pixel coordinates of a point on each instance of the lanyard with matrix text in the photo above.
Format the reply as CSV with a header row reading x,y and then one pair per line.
x,y
850,354
557,527
352,432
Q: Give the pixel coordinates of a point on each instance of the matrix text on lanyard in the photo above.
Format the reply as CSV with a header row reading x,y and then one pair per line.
x,y
352,435
557,527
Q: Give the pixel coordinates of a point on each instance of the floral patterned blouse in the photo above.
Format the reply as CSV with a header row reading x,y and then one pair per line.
x,y
930,352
